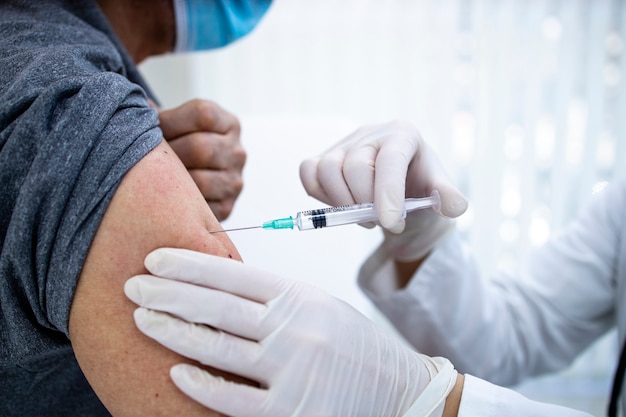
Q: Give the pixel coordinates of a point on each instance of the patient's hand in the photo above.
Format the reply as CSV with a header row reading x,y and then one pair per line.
x,y
206,138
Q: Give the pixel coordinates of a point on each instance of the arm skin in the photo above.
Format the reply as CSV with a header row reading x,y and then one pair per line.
x,y
453,402
157,204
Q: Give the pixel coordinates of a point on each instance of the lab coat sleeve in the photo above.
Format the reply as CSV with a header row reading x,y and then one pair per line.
x,y
509,327
484,399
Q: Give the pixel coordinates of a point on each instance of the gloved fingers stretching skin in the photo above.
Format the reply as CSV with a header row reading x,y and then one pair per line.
x,y
313,354
203,305
184,265
207,345
217,393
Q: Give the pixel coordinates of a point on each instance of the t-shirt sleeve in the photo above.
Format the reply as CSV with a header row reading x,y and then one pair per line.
x,y
62,160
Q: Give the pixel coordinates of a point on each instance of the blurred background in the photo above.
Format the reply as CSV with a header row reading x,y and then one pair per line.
x,y
521,99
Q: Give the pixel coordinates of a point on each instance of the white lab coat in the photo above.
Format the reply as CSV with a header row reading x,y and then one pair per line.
x,y
565,296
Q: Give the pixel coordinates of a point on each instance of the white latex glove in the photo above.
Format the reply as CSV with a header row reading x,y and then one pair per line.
x,y
312,354
385,164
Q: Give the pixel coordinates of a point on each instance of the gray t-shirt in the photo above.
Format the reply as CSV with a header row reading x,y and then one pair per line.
x,y
74,119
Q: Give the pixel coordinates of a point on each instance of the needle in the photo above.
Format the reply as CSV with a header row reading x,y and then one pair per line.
x,y
234,230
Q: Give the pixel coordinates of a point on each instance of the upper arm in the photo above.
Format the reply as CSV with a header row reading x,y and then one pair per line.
x,y
157,204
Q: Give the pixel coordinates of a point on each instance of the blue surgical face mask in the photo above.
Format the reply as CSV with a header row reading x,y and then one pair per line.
x,y
210,24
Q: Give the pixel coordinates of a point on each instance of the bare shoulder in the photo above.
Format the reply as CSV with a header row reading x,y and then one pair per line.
x,y
157,204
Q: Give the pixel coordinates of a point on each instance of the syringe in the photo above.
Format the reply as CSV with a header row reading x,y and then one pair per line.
x,y
338,216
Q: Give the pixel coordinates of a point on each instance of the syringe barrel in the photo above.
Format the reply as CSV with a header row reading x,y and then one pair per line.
x,y
336,216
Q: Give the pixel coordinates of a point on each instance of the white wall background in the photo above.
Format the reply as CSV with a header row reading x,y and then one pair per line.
x,y
523,99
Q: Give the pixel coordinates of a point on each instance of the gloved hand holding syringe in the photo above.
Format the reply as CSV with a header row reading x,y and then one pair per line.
x,y
339,215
